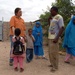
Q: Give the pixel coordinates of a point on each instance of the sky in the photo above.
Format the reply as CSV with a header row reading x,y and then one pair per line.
x,y
31,9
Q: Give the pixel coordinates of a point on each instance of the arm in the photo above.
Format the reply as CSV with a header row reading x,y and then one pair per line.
x,y
49,19
61,29
33,38
12,24
13,29
59,34
25,38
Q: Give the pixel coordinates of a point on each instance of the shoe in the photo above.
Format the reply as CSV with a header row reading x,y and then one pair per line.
x,y
11,63
16,69
44,58
67,62
50,66
21,69
53,70
27,61
37,58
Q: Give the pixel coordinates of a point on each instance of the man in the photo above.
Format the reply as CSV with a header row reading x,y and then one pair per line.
x,y
55,30
16,22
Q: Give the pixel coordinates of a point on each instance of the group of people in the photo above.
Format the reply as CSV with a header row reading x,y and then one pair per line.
x,y
34,39
56,29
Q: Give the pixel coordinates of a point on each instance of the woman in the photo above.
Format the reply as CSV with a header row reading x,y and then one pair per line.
x,y
16,22
69,40
38,44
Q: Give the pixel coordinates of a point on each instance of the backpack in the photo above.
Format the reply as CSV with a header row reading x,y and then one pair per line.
x,y
18,47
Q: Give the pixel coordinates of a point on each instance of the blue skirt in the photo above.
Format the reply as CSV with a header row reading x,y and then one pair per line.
x,y
71,51
38,50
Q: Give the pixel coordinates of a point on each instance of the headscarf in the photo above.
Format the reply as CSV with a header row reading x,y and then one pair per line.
x,y
38,38
69,38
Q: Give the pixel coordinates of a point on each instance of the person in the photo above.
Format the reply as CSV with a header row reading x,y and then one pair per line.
x,y
17,56
69,40
29,45
55,30
38,44
16,22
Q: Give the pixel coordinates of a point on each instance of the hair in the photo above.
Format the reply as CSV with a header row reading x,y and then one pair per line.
x,y
16,10
55,8
29,29
17,31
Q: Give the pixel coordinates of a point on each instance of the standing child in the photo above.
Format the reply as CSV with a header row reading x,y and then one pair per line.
x,y
18,48
29,48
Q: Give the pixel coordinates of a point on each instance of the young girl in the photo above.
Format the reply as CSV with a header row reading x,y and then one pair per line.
x,y
18,59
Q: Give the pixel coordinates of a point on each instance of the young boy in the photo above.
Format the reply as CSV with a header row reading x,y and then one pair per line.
x,y
18,53
29,47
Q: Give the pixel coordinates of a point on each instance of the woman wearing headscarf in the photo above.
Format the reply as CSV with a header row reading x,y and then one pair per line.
x,y
69,40
38,44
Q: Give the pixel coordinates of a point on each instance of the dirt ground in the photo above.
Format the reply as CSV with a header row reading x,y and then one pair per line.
x,y
36,67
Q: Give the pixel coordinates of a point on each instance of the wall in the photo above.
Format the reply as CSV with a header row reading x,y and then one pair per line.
x,y
6,29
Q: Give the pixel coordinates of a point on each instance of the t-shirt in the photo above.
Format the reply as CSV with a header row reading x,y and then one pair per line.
x,y
17,23
55,24
29,42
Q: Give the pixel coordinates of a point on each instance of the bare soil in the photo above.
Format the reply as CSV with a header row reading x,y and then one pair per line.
x,y
36,67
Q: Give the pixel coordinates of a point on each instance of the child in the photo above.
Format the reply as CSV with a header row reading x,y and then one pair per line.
x,y
29,47
18,57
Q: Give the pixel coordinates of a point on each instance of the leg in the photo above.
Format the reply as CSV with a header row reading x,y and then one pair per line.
x,y
40,51
11,59
31,54
54,48
36,51
28,55
55,60
56,55
15,63
67,57
49,51
21,59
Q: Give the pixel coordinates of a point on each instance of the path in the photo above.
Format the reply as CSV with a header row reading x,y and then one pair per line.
x,y
36,67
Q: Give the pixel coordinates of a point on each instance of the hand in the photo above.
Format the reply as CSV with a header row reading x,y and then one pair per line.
x,y
31,36
55,40
38,33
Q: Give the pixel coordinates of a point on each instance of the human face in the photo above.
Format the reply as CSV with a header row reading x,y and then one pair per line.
x,y
53,13
30,32
74,21
37,25
19,13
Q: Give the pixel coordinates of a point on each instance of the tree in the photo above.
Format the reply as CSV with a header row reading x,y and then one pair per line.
x,y
44,21
66,9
